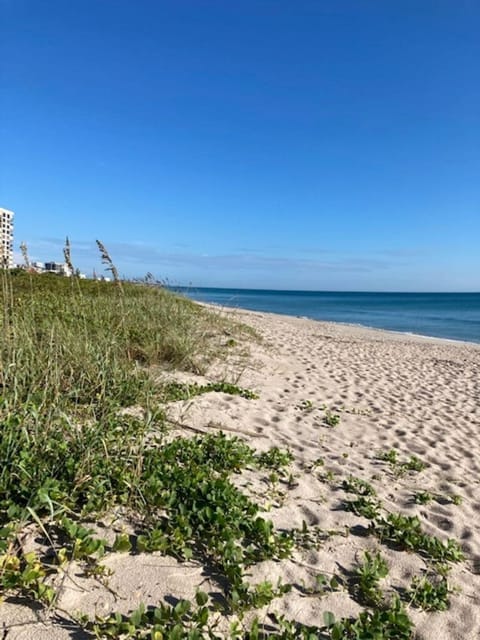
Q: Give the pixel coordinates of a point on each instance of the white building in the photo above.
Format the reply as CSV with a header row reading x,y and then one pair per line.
x,y
6,238
60,268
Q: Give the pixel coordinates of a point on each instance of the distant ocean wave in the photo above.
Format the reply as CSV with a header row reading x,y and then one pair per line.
x,y
453,316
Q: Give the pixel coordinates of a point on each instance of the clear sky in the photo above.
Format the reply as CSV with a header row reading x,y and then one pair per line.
x,y
297,144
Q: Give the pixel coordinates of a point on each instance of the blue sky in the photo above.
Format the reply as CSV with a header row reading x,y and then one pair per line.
x,y
329,145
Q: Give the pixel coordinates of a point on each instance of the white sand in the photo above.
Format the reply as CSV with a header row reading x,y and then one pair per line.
x,y
420,396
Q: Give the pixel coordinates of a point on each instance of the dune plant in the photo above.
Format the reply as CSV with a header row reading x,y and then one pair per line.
x,y
407,533
107,260
423,497
364,505
358,486
197,621
366,587
67,254
429,593
25,256
331,419
398,467
174,391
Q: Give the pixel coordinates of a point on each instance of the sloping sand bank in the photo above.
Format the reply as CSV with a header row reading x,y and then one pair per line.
x,y
337,397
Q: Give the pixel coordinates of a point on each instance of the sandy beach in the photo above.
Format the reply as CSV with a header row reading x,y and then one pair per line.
x,y
337,397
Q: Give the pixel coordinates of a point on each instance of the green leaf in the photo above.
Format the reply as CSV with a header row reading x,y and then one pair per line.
x,y
187,553
122,543
201,598
182,607
334,583
328,618
137,616
336,632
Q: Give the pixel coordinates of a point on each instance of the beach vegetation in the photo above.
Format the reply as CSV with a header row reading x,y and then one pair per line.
x,y
188,620
390,456
413,464
423,497
313,537
106,259
398,467
406,532
397,529
365,506
329,477
275,458
174,391
429,593
331,419
319,462
366,582
306,405
323,584
73,353
389,621
358,486
180,621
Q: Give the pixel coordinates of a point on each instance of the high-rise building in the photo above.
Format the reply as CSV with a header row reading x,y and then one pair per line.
x,y
6,239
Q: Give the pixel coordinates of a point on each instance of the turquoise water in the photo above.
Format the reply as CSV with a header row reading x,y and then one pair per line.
x,y
455,316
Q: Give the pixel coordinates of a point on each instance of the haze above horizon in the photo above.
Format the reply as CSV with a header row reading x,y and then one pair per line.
x,y
265,144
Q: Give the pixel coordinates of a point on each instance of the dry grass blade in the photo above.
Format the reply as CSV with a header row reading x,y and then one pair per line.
x,y
24,250
68,257
107,260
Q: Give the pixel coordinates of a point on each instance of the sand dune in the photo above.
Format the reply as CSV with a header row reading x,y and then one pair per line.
x,y
417,395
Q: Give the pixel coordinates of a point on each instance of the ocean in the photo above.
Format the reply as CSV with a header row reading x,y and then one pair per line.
x,y
453,316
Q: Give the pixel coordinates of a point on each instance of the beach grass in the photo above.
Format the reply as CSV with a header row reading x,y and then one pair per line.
x,y
88,343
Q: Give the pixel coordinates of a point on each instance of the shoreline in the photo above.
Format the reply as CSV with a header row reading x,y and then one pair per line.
x,y
436,315
393,334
